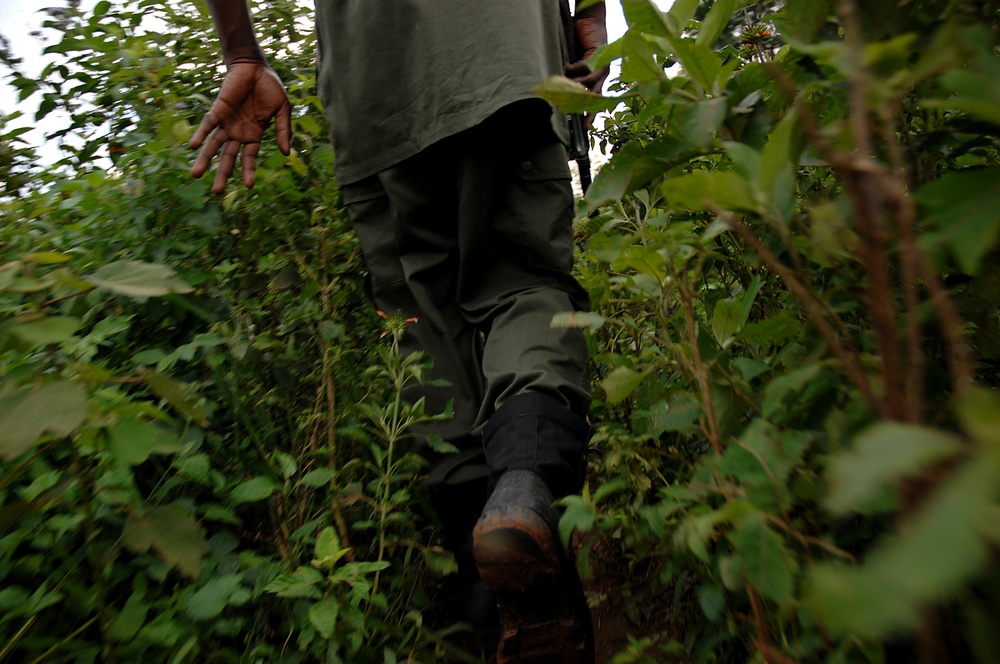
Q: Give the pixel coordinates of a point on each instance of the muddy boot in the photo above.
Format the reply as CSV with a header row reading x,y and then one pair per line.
x,y
516,546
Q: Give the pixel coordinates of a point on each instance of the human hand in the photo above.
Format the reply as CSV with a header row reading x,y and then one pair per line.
x,y
251,95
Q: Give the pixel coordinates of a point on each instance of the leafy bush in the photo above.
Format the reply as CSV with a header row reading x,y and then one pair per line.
x,y
204,450
781,252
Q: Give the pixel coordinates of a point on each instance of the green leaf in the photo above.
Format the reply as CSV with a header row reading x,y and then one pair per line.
x,y
253,490
127,623
680,13
715,22
49,330
318,477
771,331
699,122
979,411
323,616
209,600
779,162
705,190
804,18
712,601
571,97
750,368
175,393
579,515
700,62
26,413
965,206
578,319
302,582
974,87
172,532
769,566
138,279
131,440
641,60
883,455
749,295
763,454
328,549
680,413
645,16
45,258
440,561
327,544
620,383
941,549
727,318
786,385
634,166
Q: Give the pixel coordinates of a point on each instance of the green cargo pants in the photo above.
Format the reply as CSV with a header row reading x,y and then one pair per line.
x,y
473,238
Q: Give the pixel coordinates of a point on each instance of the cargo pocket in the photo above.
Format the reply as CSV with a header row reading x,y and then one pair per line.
x,y
543,206
372,219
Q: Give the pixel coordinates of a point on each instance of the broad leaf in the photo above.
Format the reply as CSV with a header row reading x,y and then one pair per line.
x,y
804,18
882,456
49,330
323,616
679,414
704,190
634,166
620,383
131,440
302,582
28,412
253,490
209,600
700,62
715,22
965,206
645,16
700,121
571,97
172,532
138,279
940,550
727,318
769,565
177,394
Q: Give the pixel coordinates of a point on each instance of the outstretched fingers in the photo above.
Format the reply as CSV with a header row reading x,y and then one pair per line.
x,y
227,160
248,164
282,128
209,137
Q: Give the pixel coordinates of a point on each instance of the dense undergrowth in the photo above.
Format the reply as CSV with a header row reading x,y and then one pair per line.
x,y
795,341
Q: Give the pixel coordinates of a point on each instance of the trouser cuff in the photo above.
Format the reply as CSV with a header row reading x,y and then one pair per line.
x,y
537,433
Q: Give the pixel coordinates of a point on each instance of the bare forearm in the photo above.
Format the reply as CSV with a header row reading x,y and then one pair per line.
x,y
597,12
591,28
235,29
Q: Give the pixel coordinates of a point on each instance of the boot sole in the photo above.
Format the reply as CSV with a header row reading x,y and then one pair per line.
x,y
540,600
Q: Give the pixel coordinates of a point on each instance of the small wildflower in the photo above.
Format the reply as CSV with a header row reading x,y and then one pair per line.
x,y
394,324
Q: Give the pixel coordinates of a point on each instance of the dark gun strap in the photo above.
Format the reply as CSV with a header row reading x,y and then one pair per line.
x,y
579,141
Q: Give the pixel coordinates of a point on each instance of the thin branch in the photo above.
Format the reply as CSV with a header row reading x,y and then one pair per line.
x,y
851,363
903,214
700,369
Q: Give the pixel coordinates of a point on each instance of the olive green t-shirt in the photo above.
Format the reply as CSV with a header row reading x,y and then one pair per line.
x,y
396,76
